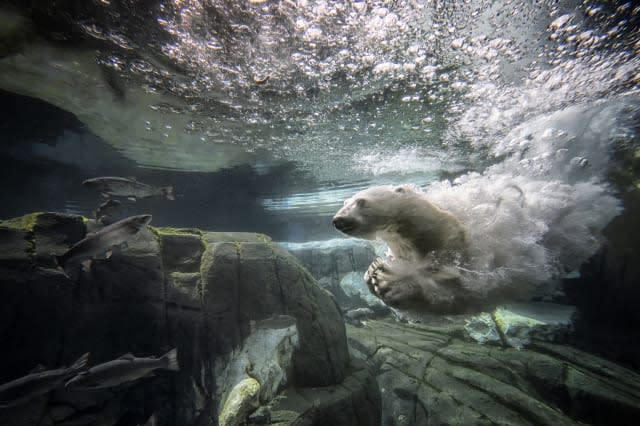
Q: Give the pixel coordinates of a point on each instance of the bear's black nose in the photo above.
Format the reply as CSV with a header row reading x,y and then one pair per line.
x,y
342,224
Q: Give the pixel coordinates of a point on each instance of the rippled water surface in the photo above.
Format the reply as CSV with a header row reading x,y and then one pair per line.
x,y
326,97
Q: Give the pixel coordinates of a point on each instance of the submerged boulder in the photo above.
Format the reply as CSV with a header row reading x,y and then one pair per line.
x,y
253,280
335,257
508,366
207,294
356,401
242,400
265,358
339,265
519,324
429,375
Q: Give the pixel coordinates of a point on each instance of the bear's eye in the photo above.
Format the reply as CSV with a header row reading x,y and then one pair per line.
x,y
399,189
360,202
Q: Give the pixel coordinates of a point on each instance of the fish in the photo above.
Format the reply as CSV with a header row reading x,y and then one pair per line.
x,y
125,369
127,187
38,383
107,211
102,241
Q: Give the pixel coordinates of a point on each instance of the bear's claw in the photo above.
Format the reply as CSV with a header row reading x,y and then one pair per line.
x,y
372,276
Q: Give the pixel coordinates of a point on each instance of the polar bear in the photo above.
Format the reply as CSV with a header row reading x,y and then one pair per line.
x,y
425,244
483,240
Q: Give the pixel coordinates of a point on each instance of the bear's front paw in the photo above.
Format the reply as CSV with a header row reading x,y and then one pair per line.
x,y
371,277
387,280
396,291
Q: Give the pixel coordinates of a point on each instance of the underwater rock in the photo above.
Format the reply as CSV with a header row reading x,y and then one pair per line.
x,y
38,235
265,357
15,247
354,286
428,375
246,280
518,324
334,257
361,303
181,250
607,293
242,399
482,328
522,323
339,265
356,316
354,402
52,231
203,293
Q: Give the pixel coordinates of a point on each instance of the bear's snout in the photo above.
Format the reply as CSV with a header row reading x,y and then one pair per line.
x,y
344,224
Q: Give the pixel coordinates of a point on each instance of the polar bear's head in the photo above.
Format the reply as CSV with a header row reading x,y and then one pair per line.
x,y
371,211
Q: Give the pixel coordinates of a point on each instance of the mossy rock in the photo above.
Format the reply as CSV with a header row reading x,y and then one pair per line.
x,y
38,237
245,281
16,245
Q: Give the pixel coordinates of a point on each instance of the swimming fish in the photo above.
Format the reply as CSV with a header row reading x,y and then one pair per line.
x,y
102,241
125,369
127,187
38,383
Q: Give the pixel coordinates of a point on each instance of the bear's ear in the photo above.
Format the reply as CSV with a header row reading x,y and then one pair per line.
x,y
399,189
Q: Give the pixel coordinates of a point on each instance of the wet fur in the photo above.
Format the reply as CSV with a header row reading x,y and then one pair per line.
x,y
424,242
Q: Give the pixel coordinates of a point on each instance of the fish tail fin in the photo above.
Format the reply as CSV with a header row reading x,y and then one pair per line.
x,y
81,363
171,358
168,192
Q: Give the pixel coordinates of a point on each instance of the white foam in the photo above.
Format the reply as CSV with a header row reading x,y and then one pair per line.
x,y
402,161
538,214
